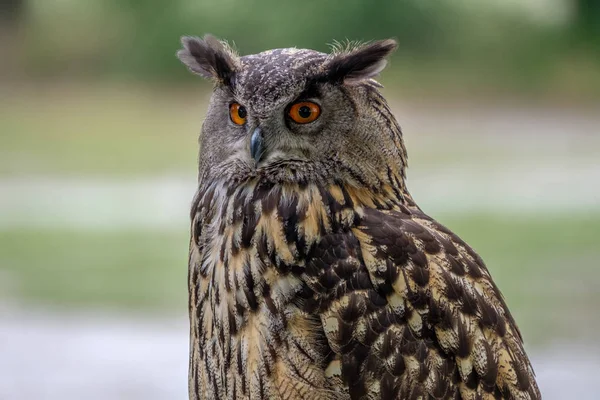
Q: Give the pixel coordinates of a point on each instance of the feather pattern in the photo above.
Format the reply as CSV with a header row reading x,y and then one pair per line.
x,y
340,292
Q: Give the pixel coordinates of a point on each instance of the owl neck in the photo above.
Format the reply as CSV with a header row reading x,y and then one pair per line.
x,y
387,180
322,206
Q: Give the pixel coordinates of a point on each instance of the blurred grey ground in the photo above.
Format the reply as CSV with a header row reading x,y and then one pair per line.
x,y
104,356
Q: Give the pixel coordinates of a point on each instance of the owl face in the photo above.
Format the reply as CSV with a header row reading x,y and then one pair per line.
x,y
289,114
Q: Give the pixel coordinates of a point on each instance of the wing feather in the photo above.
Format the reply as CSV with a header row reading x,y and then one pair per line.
x,y
410,310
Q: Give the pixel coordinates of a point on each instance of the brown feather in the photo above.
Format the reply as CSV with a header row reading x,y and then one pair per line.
x,y
434,322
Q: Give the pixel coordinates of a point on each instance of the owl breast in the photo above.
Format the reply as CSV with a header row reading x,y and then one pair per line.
x,y
339,292
255,333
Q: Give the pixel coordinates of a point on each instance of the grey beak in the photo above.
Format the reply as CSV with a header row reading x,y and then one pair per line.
x,y
256,145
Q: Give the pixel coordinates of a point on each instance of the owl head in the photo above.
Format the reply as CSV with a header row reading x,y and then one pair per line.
x,y
296,115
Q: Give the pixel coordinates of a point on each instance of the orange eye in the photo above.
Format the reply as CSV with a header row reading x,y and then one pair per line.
x,y
304,112
237,113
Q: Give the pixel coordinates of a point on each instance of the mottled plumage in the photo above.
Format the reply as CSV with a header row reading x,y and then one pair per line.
x,y
312,272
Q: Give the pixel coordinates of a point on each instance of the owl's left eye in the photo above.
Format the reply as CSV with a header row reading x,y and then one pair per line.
x,y
237,113
304,112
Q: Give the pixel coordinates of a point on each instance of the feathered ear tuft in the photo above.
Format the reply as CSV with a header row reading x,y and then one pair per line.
x,y
208,57
359,63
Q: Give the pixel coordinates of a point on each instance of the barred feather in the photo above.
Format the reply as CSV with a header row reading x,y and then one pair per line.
x,y
340,292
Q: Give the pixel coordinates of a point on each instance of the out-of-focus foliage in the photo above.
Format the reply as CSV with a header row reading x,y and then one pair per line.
x,y
484,44
587,23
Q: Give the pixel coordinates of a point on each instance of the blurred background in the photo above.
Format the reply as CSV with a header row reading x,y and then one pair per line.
x,y
499,101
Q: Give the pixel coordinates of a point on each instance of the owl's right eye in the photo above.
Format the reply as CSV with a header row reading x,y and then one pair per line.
x,y
237,113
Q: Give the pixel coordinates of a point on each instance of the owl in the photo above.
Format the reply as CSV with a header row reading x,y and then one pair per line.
x,y
313,274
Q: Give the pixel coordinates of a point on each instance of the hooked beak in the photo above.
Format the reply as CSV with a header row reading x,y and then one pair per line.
x,y
256,145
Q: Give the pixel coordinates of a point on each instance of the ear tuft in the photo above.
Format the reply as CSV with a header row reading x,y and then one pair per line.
x,y
208,57
359,63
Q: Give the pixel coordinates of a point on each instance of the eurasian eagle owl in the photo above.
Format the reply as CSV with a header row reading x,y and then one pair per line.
x,y
312,272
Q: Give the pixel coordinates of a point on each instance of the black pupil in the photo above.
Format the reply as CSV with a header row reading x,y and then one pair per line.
x,y
242,112
304,111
